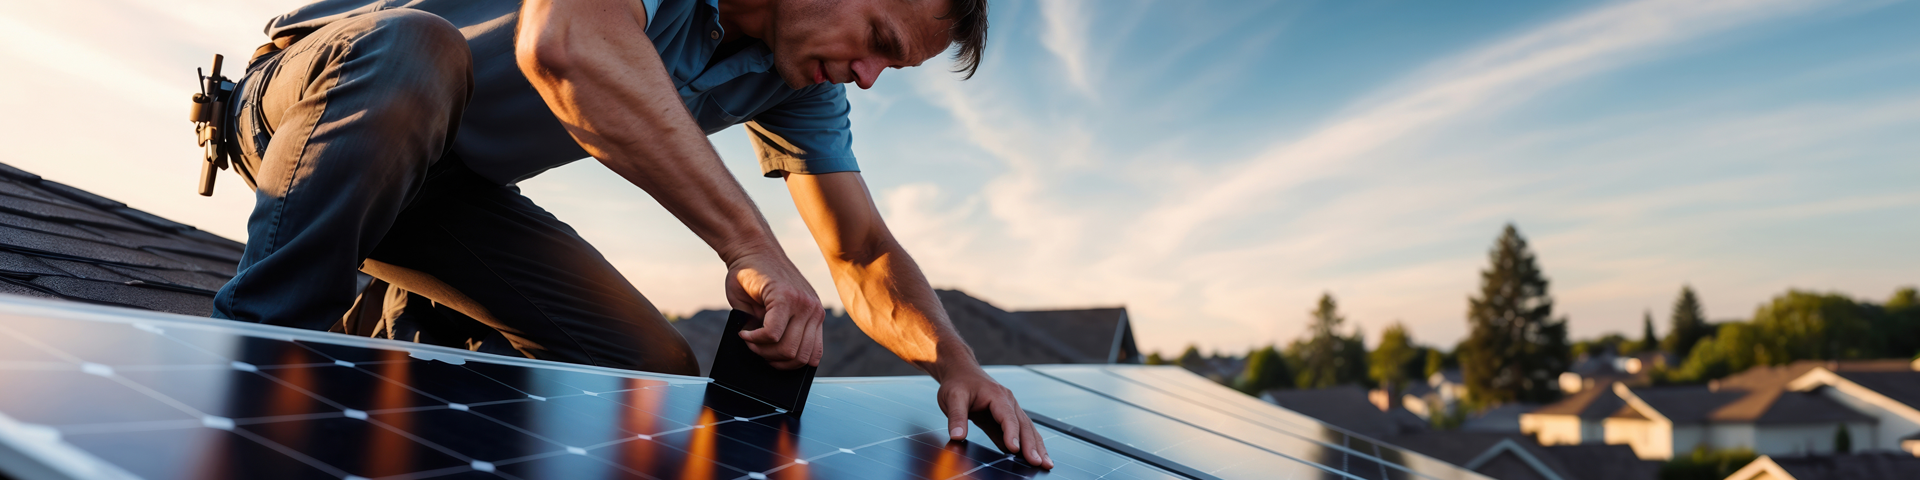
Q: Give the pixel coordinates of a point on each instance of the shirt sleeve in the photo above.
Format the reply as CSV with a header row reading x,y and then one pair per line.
x,y
808,133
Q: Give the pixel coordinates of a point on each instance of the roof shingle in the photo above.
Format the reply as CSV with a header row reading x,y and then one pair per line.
x,y
58,241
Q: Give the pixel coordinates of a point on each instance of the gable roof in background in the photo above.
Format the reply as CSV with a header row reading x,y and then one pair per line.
x,y
1591,403
57,241
1864,466
1760,395
998,337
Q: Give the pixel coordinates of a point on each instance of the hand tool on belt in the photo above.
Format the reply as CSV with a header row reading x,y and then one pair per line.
x,y
210,116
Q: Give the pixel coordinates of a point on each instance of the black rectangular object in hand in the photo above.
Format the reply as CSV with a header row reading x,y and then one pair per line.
x,y
738,368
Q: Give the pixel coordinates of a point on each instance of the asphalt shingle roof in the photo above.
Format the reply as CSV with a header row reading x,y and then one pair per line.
x,y
57,241
1868,466
1903,387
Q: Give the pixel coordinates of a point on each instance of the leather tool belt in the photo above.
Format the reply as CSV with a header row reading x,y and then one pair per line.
x,y
210,115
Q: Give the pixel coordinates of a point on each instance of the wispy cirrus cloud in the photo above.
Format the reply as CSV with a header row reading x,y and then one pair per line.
x,y
1363,203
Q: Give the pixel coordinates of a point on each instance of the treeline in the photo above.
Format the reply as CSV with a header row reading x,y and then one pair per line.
x,y
1517,348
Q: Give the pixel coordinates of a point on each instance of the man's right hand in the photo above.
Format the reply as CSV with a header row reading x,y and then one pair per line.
x,y
768,286
603,78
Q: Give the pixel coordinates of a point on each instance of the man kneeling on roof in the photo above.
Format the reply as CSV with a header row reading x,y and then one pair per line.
x,y
387,136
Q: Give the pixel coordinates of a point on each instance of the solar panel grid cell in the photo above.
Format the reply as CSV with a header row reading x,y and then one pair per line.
x,y
165,400
1151,432
1217,415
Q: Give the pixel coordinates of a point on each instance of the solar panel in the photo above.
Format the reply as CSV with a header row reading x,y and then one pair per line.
x,y
104,392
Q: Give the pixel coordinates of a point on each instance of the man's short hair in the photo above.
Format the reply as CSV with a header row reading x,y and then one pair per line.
x,y
970,31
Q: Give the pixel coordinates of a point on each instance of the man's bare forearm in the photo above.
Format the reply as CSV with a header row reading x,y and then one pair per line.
x,y
891,301
881,286
593,64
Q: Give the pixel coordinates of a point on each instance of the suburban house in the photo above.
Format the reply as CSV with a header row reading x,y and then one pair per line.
x,y
998,337
1440,393
1758,409
1867,466
1605,368
1891,397
1500,455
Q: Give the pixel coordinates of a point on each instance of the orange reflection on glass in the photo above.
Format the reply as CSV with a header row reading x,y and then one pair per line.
x,y
951,461
702,448
287,401
385,451
639,454
786,447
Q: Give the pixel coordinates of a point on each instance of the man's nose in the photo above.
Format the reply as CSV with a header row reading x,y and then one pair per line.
x,y
866,71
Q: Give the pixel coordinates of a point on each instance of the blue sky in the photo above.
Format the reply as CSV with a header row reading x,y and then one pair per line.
x,y
1215,166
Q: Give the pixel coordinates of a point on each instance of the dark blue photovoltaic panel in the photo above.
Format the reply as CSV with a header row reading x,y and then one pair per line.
x,y
1212,453
163,397
1302,441
1178,395
1207,395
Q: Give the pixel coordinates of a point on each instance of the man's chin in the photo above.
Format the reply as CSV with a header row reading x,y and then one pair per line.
x,y
791,80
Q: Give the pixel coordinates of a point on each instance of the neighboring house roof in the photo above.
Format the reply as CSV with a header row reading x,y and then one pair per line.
x,y
58,241
1866,466
1604,462
1504,418
1347,407
1081,331
1759,395
1486,449
1592,403
997,337
1681,405
1903,387
1487,452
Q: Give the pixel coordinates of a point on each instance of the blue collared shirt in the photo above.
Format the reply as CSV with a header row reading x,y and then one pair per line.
x,y
508,134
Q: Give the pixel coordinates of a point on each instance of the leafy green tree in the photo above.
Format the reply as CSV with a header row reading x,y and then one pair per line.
x,y
1515,349
1435,361
1266,370
1733,349
1899,324
1811,326
1154,359
1394,362
1192,361
1842,441
1328,358
1689,324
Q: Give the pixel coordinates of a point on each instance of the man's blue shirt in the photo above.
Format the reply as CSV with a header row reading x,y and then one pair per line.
x,y
508,134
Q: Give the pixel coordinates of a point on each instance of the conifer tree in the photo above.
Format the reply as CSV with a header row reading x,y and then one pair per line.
x,y
1515,349
1328,358
1648,341
1689,324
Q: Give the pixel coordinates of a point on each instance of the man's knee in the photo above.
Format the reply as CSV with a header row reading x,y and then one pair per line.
x,y
412,40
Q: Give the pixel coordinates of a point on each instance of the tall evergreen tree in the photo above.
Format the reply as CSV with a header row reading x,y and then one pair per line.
x,y
1327,358
1647,339
1689,325
1266,370
1515,349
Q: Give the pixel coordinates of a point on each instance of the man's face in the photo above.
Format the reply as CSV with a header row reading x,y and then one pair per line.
x,y
852,41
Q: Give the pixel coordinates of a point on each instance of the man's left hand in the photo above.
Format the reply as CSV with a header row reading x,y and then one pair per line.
x,y
975,394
